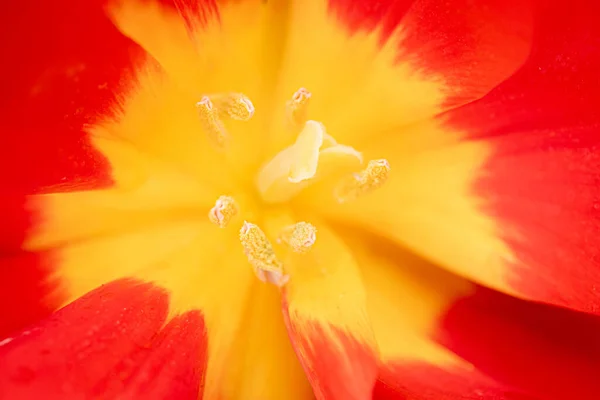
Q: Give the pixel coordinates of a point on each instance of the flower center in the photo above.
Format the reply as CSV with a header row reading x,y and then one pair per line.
x,y
314,156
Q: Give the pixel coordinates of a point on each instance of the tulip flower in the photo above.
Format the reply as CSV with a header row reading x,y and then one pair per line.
x,y
298,199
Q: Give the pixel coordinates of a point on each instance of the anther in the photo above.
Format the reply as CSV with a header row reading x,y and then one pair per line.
x,y
235,105
209,117
261,255
300,236
372,177
224,210
297,108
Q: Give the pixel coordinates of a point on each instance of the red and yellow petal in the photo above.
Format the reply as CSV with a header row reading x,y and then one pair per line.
x,y
503,190
60,76
262,364
324,309
205,48
123,351
377,67
63,65
439,336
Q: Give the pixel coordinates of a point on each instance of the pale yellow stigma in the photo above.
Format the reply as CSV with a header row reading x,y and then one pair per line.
x,y
306,149
261,255
297,108
372,177
211,122
300,236
224,210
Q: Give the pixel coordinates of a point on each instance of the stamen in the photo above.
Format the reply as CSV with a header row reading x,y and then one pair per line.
x,y
209,117
261,255
300,236
235,105
224,210
369,179
297,108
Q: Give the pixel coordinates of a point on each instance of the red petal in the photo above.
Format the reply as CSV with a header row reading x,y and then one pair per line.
x,y
64,62
26,294
368,15
552,352
541,181
110,343
420,381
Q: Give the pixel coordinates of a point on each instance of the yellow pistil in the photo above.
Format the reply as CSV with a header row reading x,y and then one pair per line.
x,y
315,154
224,210
372,177
261,255
211,122
297,108
300,236
306,152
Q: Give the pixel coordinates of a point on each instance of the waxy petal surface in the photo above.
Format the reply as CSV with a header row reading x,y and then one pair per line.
x,y
324,309
376,67
442,337
121,352
63,65
549,351
503,190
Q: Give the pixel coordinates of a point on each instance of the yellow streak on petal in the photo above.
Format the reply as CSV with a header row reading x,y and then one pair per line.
x,y
224,53
428,204
325,284
358,85
265,365
406,297
194,262
161,122
157,195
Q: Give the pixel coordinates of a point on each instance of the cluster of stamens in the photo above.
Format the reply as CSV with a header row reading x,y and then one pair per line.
x,y
285,175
